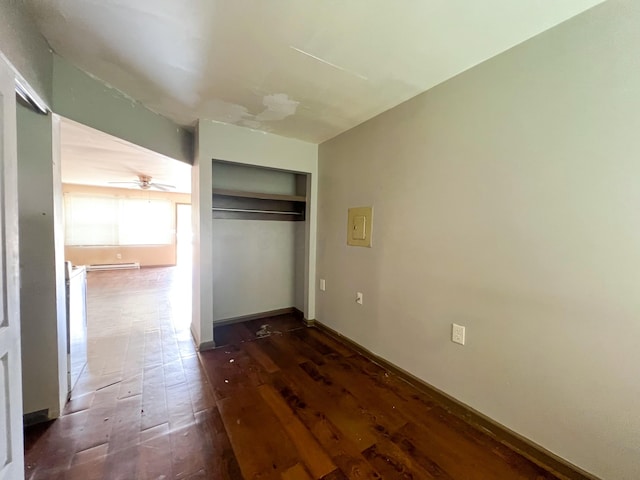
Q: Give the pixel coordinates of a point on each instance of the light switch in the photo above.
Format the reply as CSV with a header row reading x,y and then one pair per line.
x,y
359,226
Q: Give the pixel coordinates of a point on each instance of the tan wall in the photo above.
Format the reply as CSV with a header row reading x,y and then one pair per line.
x,y
147,256
507,200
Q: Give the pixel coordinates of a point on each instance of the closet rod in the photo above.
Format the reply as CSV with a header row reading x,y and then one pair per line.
x,y
243,210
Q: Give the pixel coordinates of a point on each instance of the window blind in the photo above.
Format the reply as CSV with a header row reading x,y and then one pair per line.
x,y
92,220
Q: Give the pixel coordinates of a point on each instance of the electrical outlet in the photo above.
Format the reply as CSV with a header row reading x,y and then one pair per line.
x,y
323,285
119,256
457,334
359,298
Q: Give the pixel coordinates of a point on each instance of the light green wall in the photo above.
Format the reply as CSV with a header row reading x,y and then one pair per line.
x,y
86,100
254,267
25,48
232,176
507,200
43,324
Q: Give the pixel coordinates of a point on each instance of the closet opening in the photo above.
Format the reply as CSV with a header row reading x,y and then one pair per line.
x,y
259,243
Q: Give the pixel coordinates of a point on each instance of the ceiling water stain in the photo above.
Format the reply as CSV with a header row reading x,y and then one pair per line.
x,y
226,111
278,107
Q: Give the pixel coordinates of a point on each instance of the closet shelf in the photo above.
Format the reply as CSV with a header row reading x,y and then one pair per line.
x,y
241,205
260,196
245,210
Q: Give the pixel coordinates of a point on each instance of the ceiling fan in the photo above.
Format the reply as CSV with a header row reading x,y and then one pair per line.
x,y
144,182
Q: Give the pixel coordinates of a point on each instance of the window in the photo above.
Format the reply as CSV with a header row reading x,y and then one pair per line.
x,y
100,221
145,222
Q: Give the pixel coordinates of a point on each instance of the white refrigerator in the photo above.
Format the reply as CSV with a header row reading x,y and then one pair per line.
x,y
76,280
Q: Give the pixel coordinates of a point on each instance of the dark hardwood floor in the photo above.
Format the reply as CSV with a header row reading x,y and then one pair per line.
x,y
282,402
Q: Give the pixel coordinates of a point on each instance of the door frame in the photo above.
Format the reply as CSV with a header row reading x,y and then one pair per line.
x,y
178,205
11,445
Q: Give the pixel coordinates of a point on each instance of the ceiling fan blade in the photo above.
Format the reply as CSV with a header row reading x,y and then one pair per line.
x,y
164,188
144,183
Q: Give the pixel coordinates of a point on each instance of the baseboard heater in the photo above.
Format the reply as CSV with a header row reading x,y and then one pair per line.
x,y
113,266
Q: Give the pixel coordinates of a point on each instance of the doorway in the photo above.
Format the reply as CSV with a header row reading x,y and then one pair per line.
x,y
184,236
114,210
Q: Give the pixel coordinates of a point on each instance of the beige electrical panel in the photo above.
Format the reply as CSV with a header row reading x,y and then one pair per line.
x,y
359,227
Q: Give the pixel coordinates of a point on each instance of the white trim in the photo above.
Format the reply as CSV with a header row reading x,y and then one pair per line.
x,y
25,91
113,266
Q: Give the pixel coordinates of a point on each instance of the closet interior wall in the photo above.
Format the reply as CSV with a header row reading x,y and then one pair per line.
x,y
258,258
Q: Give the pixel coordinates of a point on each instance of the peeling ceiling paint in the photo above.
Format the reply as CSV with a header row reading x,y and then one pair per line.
x,y
277,106
307,69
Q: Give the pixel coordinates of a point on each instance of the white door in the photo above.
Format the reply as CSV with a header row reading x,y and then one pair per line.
x,y
11,448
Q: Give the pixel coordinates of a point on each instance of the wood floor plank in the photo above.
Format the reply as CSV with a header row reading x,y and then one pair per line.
x,y
313,342
53,453
360,387
314,457
284,354
186,451
125,428
297,472
154,460
99,422
154,397
122,455
173,373
152,348
89,464
131,386
330,342
340,407
394,390
338,475
301,351
257,351
234,334
479,447
260,443
79,403
311,408
375,418
179,406
393,462
220,460
230,369
200,391
201,394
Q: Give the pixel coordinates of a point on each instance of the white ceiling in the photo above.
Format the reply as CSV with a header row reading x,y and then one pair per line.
x,y
308,69
91,157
